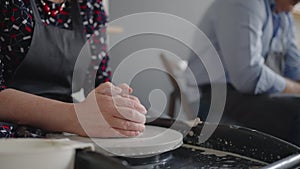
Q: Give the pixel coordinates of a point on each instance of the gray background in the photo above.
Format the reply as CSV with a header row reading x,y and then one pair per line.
x,y
147,81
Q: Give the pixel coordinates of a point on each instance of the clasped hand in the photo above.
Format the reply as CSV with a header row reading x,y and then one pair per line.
x,y
111,111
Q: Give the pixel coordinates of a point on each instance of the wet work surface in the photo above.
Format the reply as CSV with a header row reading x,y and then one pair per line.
x,y
229,147
188,156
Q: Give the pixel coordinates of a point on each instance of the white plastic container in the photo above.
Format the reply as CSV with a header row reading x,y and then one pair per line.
x,y
39,153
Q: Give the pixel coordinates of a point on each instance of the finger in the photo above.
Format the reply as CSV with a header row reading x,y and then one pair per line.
x,y
111,133
130,114
127,133
144,111
126,89
108,88
129,103
130,97
126,125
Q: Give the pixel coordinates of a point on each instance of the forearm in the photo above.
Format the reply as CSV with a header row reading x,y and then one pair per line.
x,y
292,87
23,108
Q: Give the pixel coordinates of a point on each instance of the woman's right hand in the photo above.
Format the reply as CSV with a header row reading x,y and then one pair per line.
x,y
110,111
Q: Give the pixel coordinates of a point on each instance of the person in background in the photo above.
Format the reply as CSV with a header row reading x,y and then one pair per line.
x,y
40,41
255,40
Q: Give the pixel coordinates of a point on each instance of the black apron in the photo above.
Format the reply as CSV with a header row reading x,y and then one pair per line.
x,y
48,67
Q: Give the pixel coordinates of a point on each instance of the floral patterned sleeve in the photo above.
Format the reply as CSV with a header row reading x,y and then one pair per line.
x,y
99,71
103,71
2,84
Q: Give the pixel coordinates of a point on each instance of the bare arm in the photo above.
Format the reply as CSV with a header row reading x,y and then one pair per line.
x,y
23,108
292,87
108,111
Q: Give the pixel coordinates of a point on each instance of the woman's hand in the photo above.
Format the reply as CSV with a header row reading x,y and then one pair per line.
x,y
110,111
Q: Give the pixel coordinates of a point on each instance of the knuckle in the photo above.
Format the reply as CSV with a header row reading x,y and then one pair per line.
x,y
136,116
107,85
134,98
124,84
132,113
131,104
126,125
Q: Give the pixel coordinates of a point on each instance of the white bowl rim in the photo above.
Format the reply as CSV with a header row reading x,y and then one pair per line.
x,y
50,145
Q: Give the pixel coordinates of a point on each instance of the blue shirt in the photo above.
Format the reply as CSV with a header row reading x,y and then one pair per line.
x,y
241,31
